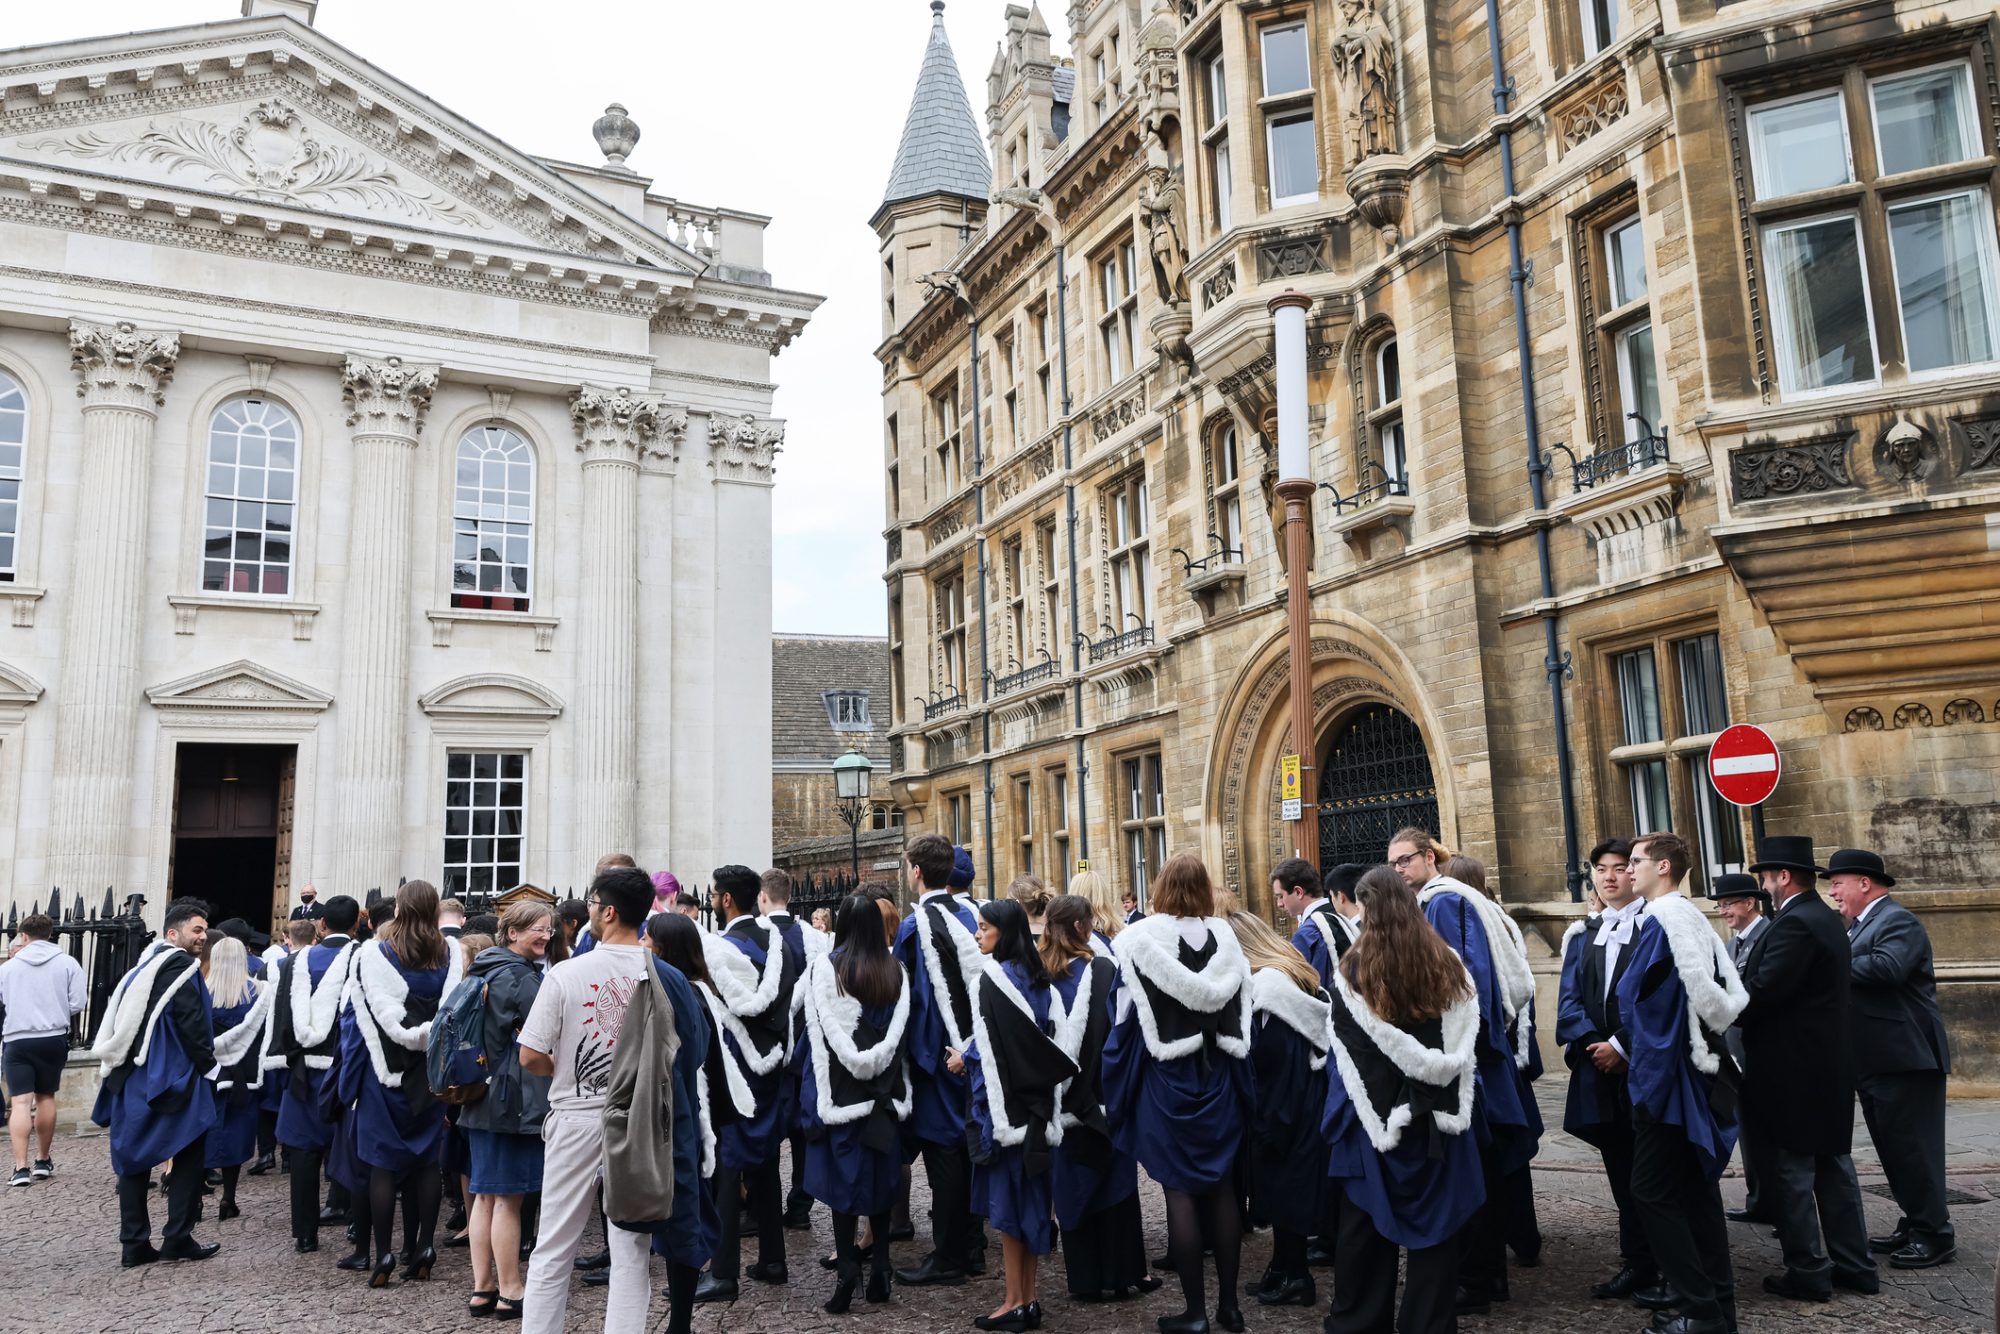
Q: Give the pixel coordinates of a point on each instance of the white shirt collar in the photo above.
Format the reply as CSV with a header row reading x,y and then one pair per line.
x,y
1756,924
930,894
1313,907
1869,909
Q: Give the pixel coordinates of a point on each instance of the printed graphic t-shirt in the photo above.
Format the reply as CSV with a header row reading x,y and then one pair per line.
x,y
576,1018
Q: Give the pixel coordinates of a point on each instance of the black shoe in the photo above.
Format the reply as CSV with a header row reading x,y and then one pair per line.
x,y
383,1272
829,1261
879,1285
332,1217
1658,1297
226,1211
1300,1291
456,1221
189,1249
265,1162
1273,1277
1469,1302
598,1278
902,1231
1924,1255
931,1273
1187,1322
1623,1283
355,1263
1797,1288
1146,1283
1165,1262
843,1292
1034,1310
305,1245
1744,1216
975,1263
1865,1283
1013,1322
799,1219
713,1289
420,1265
458,1241
586,1263
1230,1318
1318,1256
1687,1324
1891,1241
212,1177
774,1272
131,1257
1529,1259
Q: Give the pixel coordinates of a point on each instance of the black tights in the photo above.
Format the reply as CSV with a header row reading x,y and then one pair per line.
x,y
1215,1219
1288,1252
421,1195
845,1226
681,1283
230,1176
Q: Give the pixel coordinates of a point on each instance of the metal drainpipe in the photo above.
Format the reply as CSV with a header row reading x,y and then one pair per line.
x,y
1069,499
979,532
1554,662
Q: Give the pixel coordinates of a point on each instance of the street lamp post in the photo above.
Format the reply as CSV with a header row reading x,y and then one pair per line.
x,y
850,785
1295,488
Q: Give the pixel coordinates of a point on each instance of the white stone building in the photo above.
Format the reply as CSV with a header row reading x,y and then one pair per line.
x,y
376,500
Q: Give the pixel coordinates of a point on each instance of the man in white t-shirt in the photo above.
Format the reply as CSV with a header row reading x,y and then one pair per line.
x,y
569,1035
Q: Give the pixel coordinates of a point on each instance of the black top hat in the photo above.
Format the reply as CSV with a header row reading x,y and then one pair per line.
x,y
1735,885
1786,852
1859,861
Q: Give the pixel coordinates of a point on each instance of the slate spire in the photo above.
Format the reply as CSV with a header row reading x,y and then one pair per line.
x,y
942,151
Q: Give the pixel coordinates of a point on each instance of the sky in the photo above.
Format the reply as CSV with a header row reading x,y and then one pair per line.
x,y
789,108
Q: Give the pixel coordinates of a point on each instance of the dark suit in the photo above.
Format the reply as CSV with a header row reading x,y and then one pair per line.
x,y
1599,1110
306,912
1901,1058
1798,1090
1753,1195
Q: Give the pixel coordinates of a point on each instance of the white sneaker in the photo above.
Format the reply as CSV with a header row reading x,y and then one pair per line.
x,y
44,1169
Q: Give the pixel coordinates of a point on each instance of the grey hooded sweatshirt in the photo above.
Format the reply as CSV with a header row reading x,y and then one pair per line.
x,y
40,988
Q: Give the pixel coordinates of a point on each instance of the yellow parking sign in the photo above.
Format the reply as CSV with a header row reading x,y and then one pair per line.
x,y
1288,778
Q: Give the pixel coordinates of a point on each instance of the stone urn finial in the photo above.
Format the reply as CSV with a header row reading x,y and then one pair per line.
x,y
617,135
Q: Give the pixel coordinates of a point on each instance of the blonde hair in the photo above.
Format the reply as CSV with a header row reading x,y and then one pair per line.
x,y
1106,913
472,942
228,972
1265,948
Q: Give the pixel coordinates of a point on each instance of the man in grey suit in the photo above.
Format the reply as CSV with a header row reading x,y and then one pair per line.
x,y
1745,907
1901,1056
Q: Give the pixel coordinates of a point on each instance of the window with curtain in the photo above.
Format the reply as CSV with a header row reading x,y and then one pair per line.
x,y
13,452
250,505
1672,701
493,518
1881,261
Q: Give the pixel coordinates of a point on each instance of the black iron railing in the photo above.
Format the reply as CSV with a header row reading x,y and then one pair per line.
x,y
1220,553
1027,676
1646,450
1397,485
107,942
1103,650
938,706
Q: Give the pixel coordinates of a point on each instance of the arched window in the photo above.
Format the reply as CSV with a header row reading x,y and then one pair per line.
x,y
252,499
1385,415
13,444
493,521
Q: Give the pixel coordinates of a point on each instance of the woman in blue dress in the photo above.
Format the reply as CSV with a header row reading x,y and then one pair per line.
x,y
1015,1070
1399,1107
393,1127
243,1033
1177,1083
1096,1187
854,1090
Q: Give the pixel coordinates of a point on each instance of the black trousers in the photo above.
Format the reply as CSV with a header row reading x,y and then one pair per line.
x,y
761,1183
305,1193
796,1197
1615,1148
1805,1193
1905,1115
1682,1213
1482,1242
1364,1282
949,1171
135,1221
1517,1213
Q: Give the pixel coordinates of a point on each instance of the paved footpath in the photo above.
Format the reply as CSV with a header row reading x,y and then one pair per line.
x,y
59,1252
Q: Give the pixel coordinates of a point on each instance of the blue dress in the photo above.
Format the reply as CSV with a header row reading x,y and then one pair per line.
x,y
232,1142
300,1124
397,1130
842,1172
938,1113
1004,1191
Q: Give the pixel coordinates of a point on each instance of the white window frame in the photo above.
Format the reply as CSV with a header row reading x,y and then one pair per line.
x,y
1272,123
1989,273
1595,43
1387,421
1131,553
1226,483
951,632
462,882
1215,136
16,474
1045,546
234,498
1118,326
1781,328
1014,561
1283,108
1968,120
1760,163
477,514
951,466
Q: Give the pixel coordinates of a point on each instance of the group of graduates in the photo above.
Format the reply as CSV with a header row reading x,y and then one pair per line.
x,y
1364,1088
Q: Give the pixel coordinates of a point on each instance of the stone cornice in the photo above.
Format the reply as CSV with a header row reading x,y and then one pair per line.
x,y
387,398
121,366
619,426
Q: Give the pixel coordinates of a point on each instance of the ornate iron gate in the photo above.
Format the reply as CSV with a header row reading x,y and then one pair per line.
x,y
1375,779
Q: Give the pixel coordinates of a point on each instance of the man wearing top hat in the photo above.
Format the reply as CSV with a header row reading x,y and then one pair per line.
x,y
1901,1056
1741,903
1798,1081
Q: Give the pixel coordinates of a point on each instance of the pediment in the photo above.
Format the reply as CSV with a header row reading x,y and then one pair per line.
x,y
17,687
274,115
241,686
491,695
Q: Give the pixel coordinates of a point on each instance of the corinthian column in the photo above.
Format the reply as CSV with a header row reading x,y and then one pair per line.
x,y
386,405
614,428
124,375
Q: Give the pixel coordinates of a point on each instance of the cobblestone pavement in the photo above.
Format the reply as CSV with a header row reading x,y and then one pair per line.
x,y
60,1256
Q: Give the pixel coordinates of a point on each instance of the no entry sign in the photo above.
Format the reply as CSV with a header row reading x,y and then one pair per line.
x,y
1743,764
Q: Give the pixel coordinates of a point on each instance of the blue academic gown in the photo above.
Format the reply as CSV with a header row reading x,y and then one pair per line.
x,y
300,1125
397,1130
749,1141
841,1171
1593,1098
1086,1181
688,1237
1413,1200
161,1107
232,1142
1310,941
1286,1156
271,1097
1003,1190
938,1114
1663,1081
1507,1114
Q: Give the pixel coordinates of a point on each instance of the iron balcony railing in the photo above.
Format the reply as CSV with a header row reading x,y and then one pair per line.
x,y
1398,485
941,705
1027,676
1103,650
1646,450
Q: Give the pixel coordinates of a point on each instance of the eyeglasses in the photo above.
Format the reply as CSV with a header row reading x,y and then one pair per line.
x,y
593,902
1400,862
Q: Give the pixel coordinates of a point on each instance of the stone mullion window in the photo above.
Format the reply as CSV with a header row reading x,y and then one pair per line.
x,y
1286,107
1052,629
947,440
13,451
1045,381
1387,441
1024,825
485,815
1118,321
1623,362
1214,95
951,633
1142,820
1059,866
1131,564
1014,564
1225,468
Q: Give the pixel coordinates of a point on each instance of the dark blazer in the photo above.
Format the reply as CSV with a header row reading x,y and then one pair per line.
x,y
1586,1013
1897,1026
306,912
1798,1078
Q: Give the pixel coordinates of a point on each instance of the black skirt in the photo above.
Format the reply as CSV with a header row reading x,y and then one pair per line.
x,y
1107,1255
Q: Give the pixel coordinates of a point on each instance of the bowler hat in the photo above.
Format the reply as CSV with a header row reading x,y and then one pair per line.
x,y
1735,885
1860,861
1786,852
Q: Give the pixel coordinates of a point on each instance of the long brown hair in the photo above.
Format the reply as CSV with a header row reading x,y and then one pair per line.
x,y
866,970
1466,870
1399,965
413,931
1183,888
1265,948
1065,933
675,938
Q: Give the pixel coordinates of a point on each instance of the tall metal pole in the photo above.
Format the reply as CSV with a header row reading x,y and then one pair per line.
x,y
1295,488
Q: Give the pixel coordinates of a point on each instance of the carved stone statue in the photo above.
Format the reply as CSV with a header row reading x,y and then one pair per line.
x,y
1364,61
1160,196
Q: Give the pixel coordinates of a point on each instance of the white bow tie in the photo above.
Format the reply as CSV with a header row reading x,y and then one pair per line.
x,y
1616,929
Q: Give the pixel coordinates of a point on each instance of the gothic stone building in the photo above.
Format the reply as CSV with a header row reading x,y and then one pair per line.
x,y
1752,404
361,479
